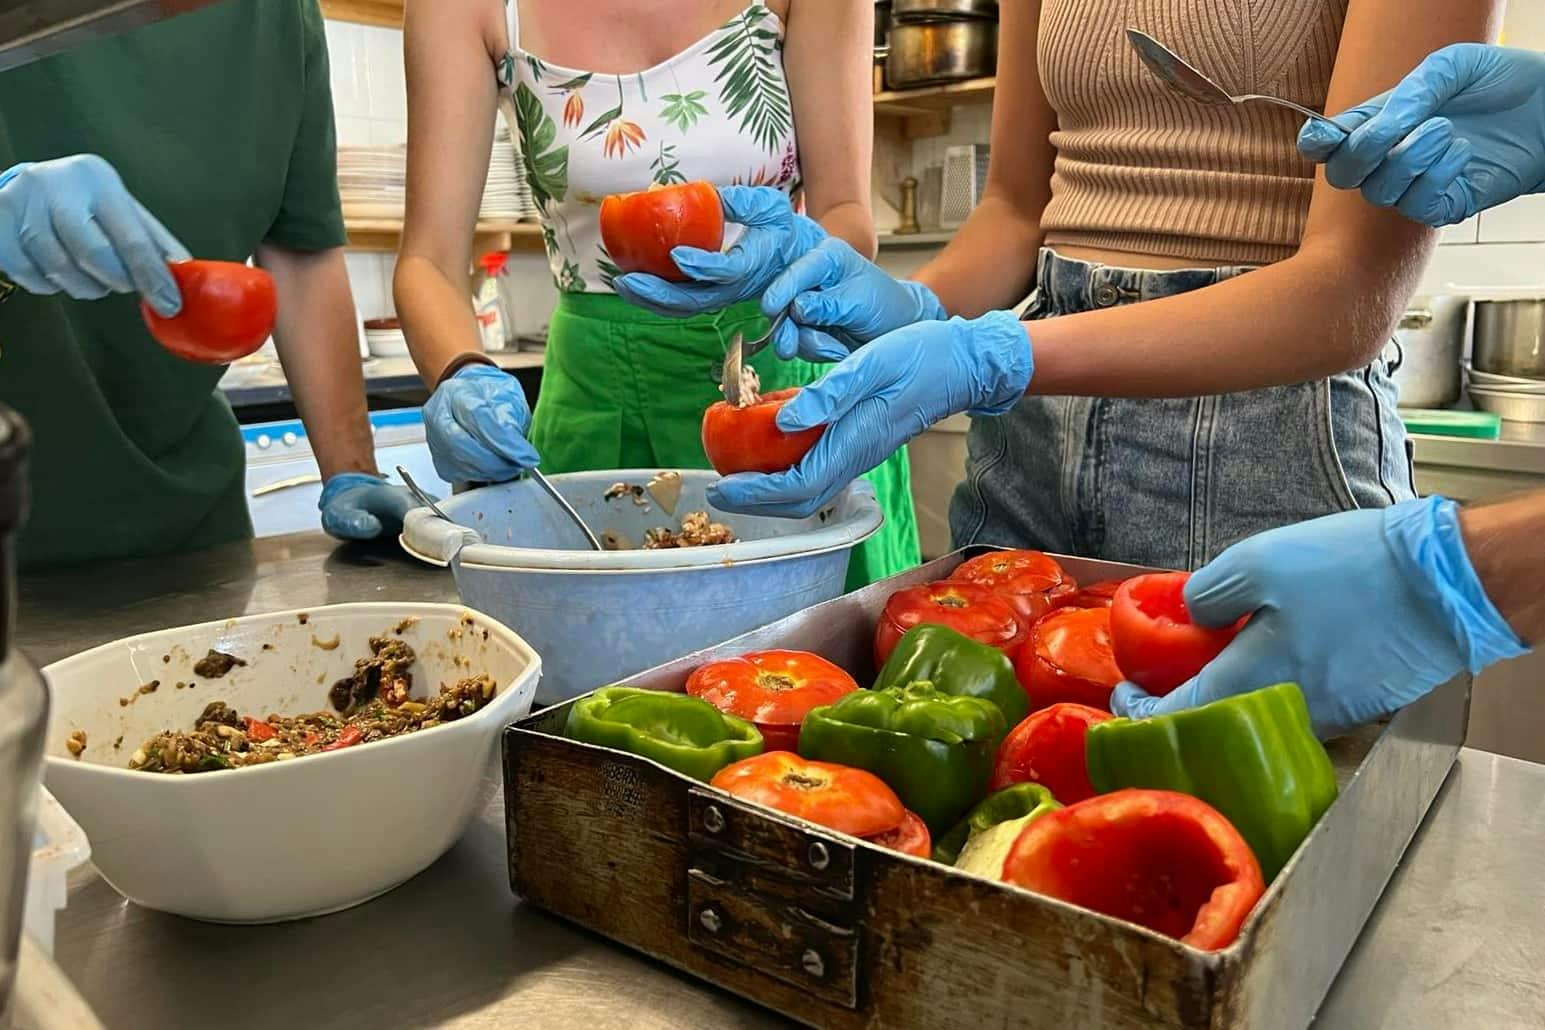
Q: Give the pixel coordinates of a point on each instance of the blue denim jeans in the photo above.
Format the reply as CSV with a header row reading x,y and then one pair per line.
x,y
1173,482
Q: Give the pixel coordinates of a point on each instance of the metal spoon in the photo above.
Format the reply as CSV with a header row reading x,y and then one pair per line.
x,y
420,496
736,355
1174,72
552,491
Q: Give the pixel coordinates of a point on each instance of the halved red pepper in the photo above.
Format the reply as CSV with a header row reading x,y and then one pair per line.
x,y
350,736
1048,748
1167,861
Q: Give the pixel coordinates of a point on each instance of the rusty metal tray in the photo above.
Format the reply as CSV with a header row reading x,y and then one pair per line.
x,y
835,932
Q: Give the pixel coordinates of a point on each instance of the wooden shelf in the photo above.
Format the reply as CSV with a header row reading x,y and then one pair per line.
x,y
385,234
908,103
366,12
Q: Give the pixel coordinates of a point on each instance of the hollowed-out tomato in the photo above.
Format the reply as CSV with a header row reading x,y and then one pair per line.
x,y
1031,581
228,311
1048,748
1068,658
910,838
1095,595
846,799
639,229
966,608
772,689
1157,646
748,439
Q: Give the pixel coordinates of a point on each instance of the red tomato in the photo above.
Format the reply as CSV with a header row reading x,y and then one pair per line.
x,y
639,229
1068,658
1096,595
1031,581
1167,861
910,838
966,608
773,689
748,439
845,799
228,311
1157,646
1048,748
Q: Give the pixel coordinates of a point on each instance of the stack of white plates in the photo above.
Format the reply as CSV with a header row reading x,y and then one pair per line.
x,y
372,182
1515,398
384,339
506,195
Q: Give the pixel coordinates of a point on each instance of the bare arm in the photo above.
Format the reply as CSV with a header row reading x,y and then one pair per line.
x,y
826,60
990,262
319,348
1328,308
452,94
1503,541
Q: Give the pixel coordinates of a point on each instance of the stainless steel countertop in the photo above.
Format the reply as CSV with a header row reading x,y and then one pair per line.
x,y
1459,940
1520,449
265,383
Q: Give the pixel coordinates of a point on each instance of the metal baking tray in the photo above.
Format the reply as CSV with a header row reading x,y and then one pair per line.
x,y
835,932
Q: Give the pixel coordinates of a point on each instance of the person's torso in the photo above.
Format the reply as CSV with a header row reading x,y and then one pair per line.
x,y
719,111
1140,168
135,451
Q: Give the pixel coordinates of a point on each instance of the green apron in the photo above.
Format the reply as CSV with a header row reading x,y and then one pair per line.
x,y
625,388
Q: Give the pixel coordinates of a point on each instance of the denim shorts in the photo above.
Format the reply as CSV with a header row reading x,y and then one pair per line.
x,y
1173,482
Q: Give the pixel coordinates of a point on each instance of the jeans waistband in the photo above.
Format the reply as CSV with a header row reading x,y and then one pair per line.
x,y
1068,284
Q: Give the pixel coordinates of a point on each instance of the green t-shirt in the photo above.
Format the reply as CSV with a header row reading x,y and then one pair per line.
x,y
221,123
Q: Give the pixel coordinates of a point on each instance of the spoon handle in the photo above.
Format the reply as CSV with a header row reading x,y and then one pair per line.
x,y
552,492
1309,113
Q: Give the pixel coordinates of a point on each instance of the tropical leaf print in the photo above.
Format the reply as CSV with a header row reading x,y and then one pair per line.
x,y
750,87
547,166
574,100
549,239
666,168
622,136
683,109
538,69
507,69
606,266
569,279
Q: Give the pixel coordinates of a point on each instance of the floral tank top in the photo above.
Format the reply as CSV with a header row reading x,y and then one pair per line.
x,y
717,111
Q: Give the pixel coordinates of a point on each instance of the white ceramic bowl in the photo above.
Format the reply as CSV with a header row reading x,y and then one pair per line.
x,y
288,839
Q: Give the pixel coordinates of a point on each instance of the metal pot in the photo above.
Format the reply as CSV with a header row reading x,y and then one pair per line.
x,y
1510,337
935,10
1431,336
940,52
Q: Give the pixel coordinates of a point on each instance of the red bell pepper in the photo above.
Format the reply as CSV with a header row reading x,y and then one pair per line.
x,y
1163,860
350,736
1048,748
257,730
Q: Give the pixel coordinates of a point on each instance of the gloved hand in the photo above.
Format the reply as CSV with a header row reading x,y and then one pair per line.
x,y
70,226
1365,610
357,506
838,301
881,396
1462,133
774,236
476,423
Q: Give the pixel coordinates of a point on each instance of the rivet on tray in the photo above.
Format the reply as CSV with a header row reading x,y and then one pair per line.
x,y
713,923
814,964
713,819
819,857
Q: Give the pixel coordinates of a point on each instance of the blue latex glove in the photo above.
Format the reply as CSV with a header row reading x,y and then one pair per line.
x,y
838,301
70,226
357,506
476,423
1462,133
1365,610
880,397
774,236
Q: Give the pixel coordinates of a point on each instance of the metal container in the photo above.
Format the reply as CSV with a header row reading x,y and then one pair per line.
x,y
1510,337
1511,405
945,51
835,932
935,10
1431,336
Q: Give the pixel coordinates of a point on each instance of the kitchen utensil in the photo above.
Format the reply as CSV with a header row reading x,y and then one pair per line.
x,y
1479,425
1515,384
882,22
735,357
43,27
419,495
552,491
908,224
929,194
345,826
924,53
1512,406
1510,336
1431,335
630,609
962,182
1180,76
927,10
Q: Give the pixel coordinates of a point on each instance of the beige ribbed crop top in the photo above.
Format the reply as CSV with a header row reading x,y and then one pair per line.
x,y
1140,168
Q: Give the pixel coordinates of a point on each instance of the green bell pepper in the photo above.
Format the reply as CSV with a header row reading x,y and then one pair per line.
x,y
935,750
956,664
980,832
1253,757
680,732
